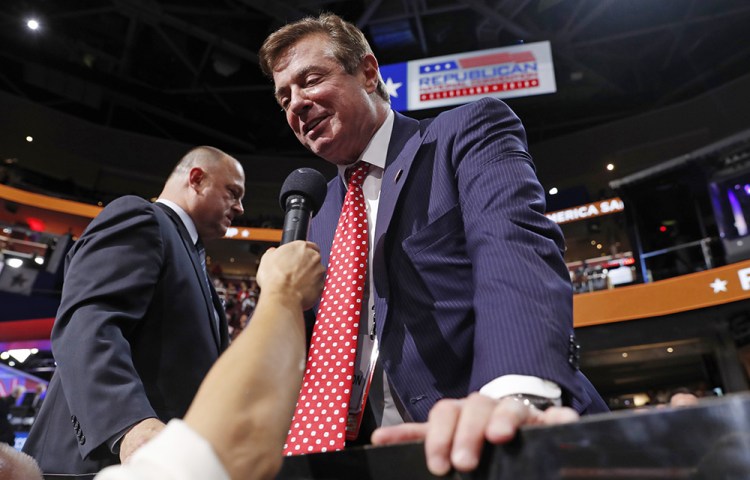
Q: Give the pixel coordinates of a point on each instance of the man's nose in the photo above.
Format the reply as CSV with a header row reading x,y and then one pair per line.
x,y
299,102
238,208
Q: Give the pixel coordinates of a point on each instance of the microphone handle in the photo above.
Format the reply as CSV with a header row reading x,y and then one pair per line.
x,y
296,219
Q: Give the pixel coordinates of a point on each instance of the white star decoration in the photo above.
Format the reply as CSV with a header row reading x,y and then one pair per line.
x,y
392,87
718,285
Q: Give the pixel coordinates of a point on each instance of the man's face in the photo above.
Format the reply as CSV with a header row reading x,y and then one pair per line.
x,y
219,199
328,110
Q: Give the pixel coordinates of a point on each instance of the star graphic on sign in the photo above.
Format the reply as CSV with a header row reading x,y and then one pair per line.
x,y
392,87
18,280
718,285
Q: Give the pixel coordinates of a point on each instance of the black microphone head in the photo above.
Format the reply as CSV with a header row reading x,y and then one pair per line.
x,y
307,182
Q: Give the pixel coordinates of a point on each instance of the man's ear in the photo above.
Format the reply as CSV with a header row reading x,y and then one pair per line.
x,y
370,71
196,177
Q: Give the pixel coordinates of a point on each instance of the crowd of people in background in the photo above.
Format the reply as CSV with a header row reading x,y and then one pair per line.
x,y
239,297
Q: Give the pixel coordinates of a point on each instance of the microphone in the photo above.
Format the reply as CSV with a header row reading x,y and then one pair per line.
x,y
302,195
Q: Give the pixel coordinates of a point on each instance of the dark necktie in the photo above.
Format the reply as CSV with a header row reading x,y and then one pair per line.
x,y
319,422
202,255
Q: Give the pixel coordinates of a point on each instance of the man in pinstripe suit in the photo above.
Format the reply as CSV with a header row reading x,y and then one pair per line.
x,y
468,291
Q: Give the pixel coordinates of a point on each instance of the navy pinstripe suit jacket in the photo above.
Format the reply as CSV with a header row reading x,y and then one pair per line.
x,y
469,278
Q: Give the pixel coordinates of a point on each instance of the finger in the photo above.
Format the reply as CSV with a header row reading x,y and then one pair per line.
x,y
469,438
508,415
558,415
314,246
441,426
406,432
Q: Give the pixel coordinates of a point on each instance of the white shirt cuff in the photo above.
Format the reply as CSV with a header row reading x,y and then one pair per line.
x,y
177,452
514,384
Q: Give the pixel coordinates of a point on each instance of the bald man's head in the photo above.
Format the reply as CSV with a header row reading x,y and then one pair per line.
x,y
209,185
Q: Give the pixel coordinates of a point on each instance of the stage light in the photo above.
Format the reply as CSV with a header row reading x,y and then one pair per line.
x,y
32,24
553,191
29,138
39,260
610,166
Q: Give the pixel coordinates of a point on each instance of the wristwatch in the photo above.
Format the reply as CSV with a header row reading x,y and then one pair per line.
x,y
533,401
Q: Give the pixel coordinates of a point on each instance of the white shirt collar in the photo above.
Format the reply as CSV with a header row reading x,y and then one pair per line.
x,y
186,220
375,151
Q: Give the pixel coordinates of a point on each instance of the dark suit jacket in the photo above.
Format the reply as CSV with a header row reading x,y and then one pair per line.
x,y
134,335
469,278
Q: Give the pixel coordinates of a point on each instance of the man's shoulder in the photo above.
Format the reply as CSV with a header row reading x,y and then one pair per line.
x,y
127,202
473,117
124,210
483,106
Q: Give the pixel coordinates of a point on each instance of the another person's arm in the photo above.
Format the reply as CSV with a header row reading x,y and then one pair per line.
x,y
236,426
245,404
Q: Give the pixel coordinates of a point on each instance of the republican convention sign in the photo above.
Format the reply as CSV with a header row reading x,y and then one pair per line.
x,y
506,72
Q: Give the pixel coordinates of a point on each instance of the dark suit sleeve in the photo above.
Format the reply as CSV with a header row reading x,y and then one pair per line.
x,y
110,280
522,298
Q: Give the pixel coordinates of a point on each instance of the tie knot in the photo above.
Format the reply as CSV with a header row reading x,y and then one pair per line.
x,y
356,175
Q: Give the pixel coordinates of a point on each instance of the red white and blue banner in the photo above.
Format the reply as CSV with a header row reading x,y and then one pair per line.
x,y
516,71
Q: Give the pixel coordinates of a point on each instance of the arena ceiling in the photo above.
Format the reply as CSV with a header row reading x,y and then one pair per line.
x,y
188,70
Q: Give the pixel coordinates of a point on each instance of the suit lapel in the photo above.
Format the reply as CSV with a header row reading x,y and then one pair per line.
x,y
402,148
208,295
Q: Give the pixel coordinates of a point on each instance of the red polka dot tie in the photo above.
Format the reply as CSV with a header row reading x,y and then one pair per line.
x,y
319,423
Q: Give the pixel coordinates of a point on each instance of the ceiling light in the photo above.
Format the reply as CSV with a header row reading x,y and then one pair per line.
x,y
553,191
14,262
610,166
39,260
29,138
32,24
20,354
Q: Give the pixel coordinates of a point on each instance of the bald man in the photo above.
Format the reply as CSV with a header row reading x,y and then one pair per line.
x,y
139,323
